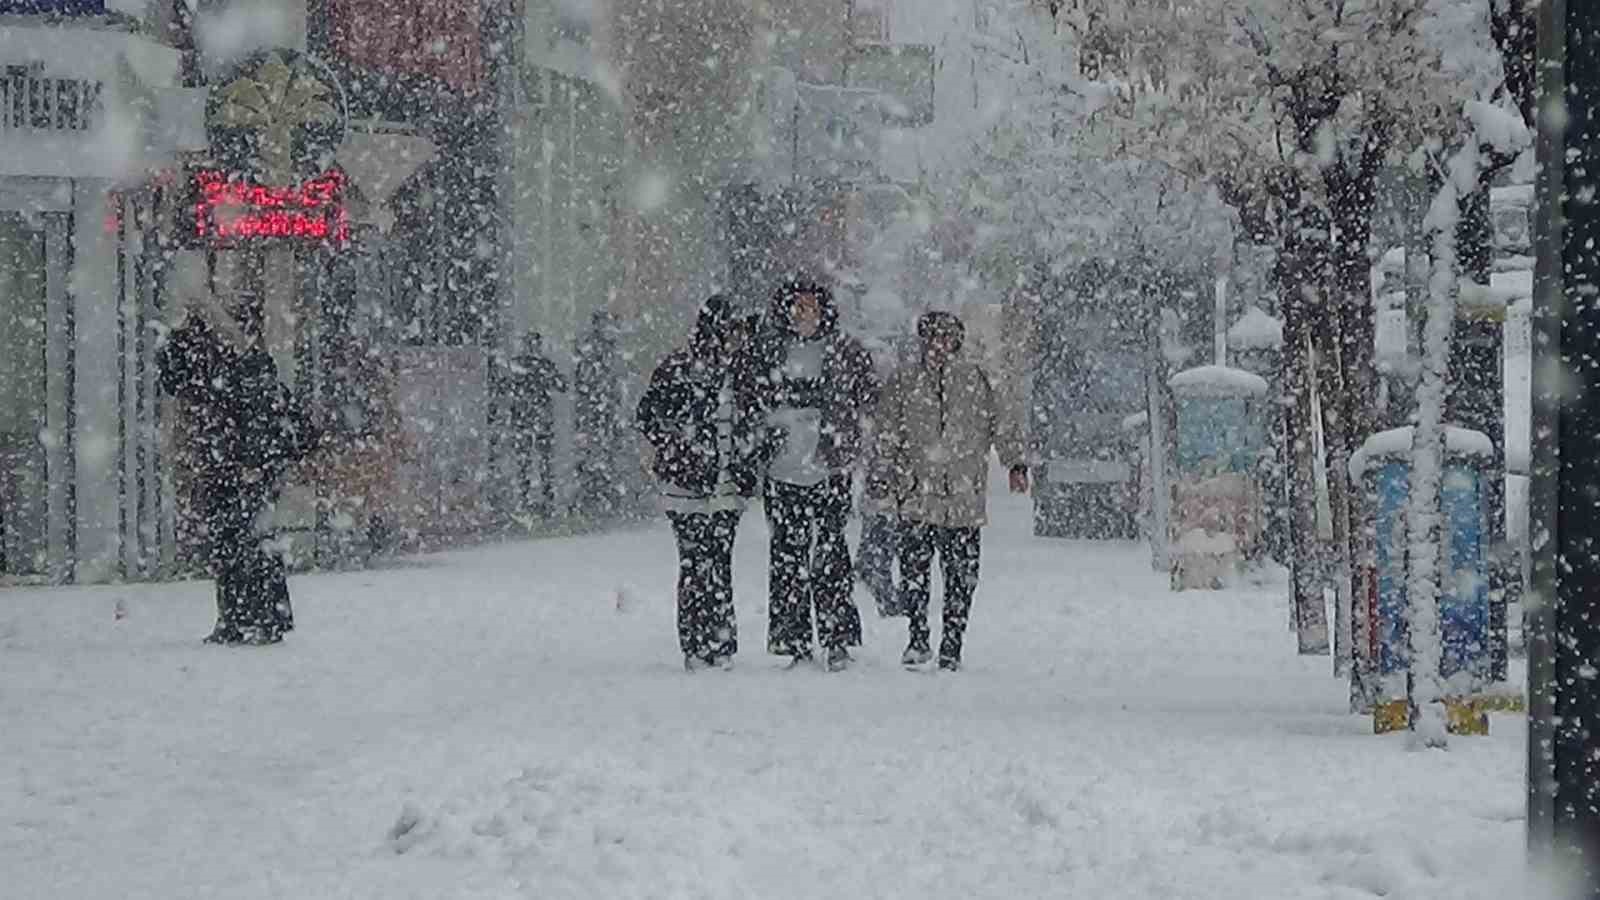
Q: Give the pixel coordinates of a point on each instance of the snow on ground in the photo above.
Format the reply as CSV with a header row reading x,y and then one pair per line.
x,y
514,722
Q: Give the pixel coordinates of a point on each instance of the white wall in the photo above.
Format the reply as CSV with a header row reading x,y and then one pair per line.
x,y
93,286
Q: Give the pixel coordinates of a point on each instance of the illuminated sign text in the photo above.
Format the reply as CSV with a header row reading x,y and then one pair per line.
x,y
228,212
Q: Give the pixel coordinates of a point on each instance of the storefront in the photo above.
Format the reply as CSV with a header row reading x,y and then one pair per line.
x,y
90,119
289,217
28,293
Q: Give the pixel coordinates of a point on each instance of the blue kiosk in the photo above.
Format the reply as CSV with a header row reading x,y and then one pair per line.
x,y
1383,468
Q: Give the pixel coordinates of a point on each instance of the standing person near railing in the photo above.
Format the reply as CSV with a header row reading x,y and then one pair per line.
x,y
247,434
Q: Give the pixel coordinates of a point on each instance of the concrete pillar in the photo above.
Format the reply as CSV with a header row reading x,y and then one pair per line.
x,y
96,374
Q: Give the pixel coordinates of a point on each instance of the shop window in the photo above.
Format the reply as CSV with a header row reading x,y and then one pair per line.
x,y
23,481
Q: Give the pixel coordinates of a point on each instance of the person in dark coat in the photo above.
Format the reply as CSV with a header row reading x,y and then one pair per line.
x,y
700,416
815,384
597,386
526,383
248,436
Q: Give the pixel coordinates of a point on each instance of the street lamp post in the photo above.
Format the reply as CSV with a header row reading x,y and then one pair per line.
x,y
1564,615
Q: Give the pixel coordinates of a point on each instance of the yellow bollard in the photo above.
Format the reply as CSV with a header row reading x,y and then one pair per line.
x,y
1463,715
1391,716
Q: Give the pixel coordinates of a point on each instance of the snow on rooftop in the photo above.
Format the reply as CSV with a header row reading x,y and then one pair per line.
x,y
1513,286
1512,195
1217,381
1503,289
1256,330
1395,444
1499,127
1391,351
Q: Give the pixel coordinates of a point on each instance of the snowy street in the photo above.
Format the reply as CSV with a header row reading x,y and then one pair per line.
x,y
514,721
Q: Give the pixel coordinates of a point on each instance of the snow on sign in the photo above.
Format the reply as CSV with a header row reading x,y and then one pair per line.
x,y
1217,381
231,212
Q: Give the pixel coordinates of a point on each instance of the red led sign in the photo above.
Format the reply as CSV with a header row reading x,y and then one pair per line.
x,y
230,211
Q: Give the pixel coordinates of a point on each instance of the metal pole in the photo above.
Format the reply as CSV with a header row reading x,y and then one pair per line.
x,y
1563,620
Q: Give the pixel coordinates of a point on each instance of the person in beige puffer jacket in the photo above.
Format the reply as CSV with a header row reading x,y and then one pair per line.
x,y
938,418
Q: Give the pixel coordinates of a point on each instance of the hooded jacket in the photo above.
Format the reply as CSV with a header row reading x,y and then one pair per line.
x,y
935,426
678,412
846,390
245,427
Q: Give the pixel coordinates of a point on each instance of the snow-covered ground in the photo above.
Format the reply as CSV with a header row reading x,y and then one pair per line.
x,y
514,721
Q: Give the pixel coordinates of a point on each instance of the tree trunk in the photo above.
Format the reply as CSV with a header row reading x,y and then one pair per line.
x,y
1427,546
1351,185
1475,397
1299,260
1514,26
1161,411
1332,390
1306,564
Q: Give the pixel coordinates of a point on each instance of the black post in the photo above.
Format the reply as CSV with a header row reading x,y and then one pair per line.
x,y
1564,617
1476,399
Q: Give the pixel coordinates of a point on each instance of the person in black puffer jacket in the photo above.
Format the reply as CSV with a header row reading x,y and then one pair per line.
x,y
247,436
700,416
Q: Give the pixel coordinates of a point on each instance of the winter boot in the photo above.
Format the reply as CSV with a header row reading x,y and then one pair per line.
x,y
261,635
950,651
916,655
224,634
838,658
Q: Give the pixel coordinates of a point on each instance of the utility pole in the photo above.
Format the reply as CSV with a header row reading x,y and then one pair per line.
x,y
1564,605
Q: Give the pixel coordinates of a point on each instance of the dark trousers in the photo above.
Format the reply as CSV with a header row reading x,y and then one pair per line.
x,y
706,625
594,445
252,585
597,484
530,448
806,578
958,550
880,545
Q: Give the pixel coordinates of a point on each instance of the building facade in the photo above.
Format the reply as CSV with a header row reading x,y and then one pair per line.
x,y
484,168
93,116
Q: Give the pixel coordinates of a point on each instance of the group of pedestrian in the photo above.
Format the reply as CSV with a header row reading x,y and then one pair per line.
x,y
523,392
779,406
784,406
